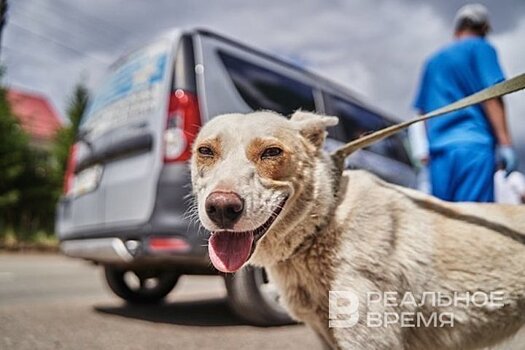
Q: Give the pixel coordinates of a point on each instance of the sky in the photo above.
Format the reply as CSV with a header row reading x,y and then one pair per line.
x,y
374,47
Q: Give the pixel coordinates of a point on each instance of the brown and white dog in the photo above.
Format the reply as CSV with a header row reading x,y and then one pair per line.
x,y
272,197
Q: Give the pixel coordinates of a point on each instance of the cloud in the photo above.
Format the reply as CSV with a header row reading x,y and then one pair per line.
x,y
375,48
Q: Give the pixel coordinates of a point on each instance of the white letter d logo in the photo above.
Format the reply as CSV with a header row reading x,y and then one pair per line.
x,y
343,309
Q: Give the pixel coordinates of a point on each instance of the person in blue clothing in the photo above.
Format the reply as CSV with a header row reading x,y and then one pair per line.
x,y
464,146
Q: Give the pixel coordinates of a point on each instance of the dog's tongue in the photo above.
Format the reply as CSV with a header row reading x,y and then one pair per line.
x,y
229,251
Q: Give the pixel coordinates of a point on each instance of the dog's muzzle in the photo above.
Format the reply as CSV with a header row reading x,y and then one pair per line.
x,y
230,250
224,208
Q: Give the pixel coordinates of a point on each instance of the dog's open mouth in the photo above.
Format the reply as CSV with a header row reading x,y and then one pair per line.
x,y
229,250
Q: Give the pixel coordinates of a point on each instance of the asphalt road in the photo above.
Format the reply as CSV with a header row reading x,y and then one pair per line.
x,y
52,302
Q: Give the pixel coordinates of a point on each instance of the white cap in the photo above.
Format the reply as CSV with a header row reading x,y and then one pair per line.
x,y
476,13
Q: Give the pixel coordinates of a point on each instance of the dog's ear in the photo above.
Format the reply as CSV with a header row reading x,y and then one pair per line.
x,y
313,126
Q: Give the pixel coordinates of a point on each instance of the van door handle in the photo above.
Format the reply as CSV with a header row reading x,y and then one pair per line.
x,y
131,145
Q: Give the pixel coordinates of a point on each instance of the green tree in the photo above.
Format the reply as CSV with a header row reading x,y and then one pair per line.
x,y
40,182
31,178
42,178
39,190
65,138
14,147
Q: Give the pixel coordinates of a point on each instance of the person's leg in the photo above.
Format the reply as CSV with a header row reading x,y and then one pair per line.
x,y
440,168
473,174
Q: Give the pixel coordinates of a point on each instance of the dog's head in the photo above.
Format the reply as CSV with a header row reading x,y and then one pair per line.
x,y
254,177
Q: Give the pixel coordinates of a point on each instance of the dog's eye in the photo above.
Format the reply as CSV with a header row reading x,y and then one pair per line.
x,y
271,152
205,151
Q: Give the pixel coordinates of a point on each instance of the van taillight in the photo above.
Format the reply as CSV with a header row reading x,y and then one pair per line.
x,y
182,126
69,175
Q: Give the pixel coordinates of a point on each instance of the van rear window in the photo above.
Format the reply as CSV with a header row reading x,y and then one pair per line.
x,y
262,88
356,121
131,91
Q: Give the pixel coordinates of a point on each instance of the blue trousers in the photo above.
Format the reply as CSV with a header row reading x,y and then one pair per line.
x,y
463,173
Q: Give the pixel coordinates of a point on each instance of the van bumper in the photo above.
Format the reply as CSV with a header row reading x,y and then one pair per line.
x,y
130,244
135,254
104,250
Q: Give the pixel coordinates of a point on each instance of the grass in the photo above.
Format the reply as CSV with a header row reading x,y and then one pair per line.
x,y
11,240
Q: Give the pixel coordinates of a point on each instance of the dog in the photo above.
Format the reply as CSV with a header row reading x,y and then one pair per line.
x,y
272,197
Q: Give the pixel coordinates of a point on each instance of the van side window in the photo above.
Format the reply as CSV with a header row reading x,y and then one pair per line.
x,y
262,88
356,121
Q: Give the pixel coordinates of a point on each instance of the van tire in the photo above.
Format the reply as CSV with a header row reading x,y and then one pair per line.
x,y
164,281
249,300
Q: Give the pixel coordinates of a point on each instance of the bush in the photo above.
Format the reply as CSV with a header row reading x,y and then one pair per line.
x,y
14,149
31,178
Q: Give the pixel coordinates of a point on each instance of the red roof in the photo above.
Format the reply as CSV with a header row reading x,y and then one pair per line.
x,y
37,117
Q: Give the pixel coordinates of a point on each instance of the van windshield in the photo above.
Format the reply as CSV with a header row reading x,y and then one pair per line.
x,y
131,90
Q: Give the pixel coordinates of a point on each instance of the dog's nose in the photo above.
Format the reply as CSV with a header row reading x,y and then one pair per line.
x,y
224,208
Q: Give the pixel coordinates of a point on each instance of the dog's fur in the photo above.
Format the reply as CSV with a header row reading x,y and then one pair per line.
x,y
355,232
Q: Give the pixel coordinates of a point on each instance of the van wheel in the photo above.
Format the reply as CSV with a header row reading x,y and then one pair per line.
x,y
140,286
253,298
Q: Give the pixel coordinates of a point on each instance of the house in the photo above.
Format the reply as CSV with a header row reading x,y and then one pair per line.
x,y
37,117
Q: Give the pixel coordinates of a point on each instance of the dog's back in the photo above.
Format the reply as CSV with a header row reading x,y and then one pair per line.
x,y
402,241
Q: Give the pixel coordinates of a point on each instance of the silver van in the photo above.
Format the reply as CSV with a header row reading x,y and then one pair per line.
x,y
127,188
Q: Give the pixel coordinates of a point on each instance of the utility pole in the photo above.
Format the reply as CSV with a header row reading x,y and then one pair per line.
x,y
3,17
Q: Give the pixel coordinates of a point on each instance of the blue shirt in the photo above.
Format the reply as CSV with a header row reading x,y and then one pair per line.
x,y
460,69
